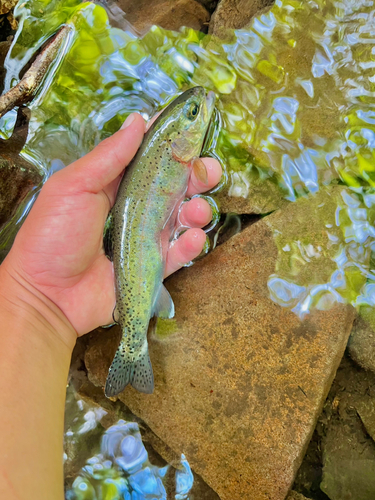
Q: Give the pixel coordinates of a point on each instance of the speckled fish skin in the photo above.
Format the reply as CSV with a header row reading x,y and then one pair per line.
x,y
143,222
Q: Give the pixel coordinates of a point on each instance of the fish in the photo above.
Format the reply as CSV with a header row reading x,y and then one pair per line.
x,y
141,225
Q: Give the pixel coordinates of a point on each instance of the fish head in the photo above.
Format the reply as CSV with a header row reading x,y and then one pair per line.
x,y
185,122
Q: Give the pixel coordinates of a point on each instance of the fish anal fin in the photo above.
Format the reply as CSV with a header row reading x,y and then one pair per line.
x,y
163,307
107,237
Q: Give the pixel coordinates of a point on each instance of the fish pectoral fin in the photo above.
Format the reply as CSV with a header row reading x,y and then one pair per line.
x,y
125,370
200,170
164,307
107,237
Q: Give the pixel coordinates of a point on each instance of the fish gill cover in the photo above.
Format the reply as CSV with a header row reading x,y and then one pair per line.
x,y
294,131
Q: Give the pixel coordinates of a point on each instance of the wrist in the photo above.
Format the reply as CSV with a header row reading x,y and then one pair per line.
x,y
31,308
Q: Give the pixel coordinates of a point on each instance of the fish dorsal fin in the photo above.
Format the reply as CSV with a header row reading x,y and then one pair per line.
x,y
163,307
107,237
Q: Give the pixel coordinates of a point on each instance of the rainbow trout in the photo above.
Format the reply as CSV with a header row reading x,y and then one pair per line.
x,y
141,225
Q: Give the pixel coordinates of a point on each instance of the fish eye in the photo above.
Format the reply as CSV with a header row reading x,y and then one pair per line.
x,y
193,111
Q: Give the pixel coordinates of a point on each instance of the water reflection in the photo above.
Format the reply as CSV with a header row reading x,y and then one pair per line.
x,y
295,112
120,469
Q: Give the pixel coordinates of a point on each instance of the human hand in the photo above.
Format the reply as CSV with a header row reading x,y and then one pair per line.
x,y
58,253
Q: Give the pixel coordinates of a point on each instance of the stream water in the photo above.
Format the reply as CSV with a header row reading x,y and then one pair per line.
x,y
295,121
294,129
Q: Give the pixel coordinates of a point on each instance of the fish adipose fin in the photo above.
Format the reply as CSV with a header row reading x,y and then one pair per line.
x,y
124,371
163,307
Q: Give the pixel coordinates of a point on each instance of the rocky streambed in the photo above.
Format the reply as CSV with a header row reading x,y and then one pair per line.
x,y
260,400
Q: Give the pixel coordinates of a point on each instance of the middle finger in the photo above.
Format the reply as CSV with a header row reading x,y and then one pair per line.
x,y
195,213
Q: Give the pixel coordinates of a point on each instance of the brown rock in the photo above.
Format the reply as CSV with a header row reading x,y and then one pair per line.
x,y
7,5
165,13
235,14
241,382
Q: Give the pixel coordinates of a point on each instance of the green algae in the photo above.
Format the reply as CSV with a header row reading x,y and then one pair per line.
x,y
165,328
295,127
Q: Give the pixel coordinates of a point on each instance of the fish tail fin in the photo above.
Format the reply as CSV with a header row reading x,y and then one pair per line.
x,y
126,370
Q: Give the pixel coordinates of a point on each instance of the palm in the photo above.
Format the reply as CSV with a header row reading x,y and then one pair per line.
x,y
62,254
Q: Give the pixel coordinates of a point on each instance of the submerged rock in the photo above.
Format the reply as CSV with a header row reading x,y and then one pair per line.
x,y
4,47
18,177
235,14
241,382
256,198
164,13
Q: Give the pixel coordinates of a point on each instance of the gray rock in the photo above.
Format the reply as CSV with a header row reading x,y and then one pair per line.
x,y
366,411
348,462
345,427
361,344
293,495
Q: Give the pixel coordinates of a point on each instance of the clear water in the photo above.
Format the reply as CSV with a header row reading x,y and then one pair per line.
x,y
295,121
110,462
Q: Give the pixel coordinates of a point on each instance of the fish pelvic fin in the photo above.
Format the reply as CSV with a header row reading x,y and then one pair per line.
x,y
128,369
163,307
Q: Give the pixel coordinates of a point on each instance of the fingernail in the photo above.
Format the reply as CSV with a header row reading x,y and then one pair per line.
x,y
130,119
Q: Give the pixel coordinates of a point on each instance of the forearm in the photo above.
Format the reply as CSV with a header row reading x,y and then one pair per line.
x,y
33,375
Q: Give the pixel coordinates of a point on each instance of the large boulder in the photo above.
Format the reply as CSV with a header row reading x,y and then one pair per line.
x,y
169,15
241,382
